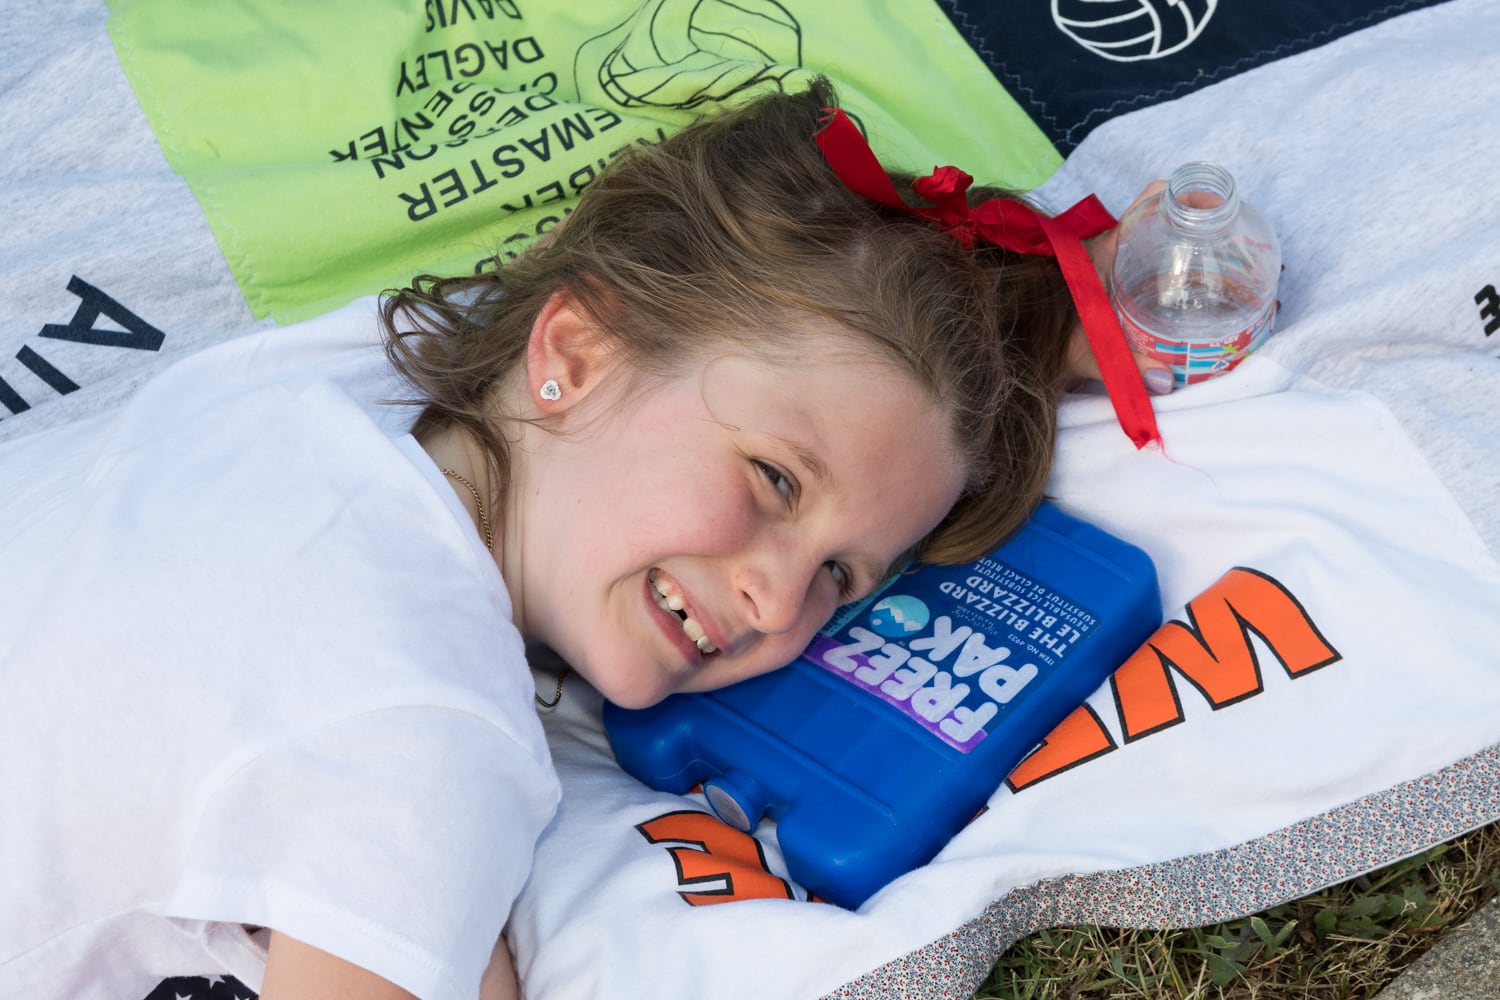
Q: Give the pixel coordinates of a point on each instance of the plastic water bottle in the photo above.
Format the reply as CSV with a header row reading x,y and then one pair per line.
x,y
1195,272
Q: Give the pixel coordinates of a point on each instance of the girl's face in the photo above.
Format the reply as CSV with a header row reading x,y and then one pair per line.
x,y
701,531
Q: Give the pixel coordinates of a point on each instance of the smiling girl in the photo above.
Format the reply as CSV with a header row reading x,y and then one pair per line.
x,y
266,663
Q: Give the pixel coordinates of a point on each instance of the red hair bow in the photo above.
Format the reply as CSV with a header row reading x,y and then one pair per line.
x,y
1016,226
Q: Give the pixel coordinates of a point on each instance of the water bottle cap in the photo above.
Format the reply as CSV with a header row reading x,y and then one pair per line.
x,y
1201,197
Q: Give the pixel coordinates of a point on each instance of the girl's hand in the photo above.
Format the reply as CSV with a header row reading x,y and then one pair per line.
x,y
499,982
1081,363
297,971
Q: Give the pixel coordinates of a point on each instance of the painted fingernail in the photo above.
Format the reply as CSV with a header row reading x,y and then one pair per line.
x,y
1158,381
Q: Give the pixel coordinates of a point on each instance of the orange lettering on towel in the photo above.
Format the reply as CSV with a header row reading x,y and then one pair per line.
x,y
1213,651
1077,739
715,863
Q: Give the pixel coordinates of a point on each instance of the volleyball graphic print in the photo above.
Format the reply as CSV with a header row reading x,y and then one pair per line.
x,y
671,54
1133,30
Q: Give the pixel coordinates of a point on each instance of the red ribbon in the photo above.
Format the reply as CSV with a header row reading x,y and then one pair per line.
x,y
1016,226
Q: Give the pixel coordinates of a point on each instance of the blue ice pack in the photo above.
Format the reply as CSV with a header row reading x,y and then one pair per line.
x,y
906,712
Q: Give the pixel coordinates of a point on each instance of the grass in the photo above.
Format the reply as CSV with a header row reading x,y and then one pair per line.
x,y
1344,943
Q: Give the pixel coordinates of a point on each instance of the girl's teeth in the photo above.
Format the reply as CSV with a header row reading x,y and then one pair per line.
x,y
690,626
672,602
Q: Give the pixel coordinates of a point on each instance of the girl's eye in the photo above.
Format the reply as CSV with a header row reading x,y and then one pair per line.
x,y
843,578
778,479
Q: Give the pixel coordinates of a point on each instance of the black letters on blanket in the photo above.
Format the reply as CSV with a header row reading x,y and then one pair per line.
x,y
136,334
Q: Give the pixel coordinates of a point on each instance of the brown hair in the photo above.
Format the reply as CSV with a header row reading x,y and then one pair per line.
x,y
730,234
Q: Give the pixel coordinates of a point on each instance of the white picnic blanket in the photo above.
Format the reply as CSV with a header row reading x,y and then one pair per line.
x,y
1325,697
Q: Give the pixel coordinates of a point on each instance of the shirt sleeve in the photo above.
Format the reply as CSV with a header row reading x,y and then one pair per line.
x,y
396,840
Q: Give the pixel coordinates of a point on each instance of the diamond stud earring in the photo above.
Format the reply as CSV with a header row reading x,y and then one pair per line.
x,y
550,390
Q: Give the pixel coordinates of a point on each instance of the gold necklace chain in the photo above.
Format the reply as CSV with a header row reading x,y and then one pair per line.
x,y
489,543
556,695
484,520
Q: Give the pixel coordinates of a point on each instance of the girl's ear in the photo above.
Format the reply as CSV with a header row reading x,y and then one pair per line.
x,y
567,355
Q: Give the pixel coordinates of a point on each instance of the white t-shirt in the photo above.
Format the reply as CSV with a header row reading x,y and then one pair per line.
x,y
256,667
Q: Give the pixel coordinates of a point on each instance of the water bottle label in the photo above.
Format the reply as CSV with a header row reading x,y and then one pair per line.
x,y
956,649
1195,360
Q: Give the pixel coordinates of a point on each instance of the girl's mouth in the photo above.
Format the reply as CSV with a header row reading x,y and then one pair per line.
x,y
669,599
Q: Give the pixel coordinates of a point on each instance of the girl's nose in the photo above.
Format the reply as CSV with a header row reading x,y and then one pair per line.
x,y
775,591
